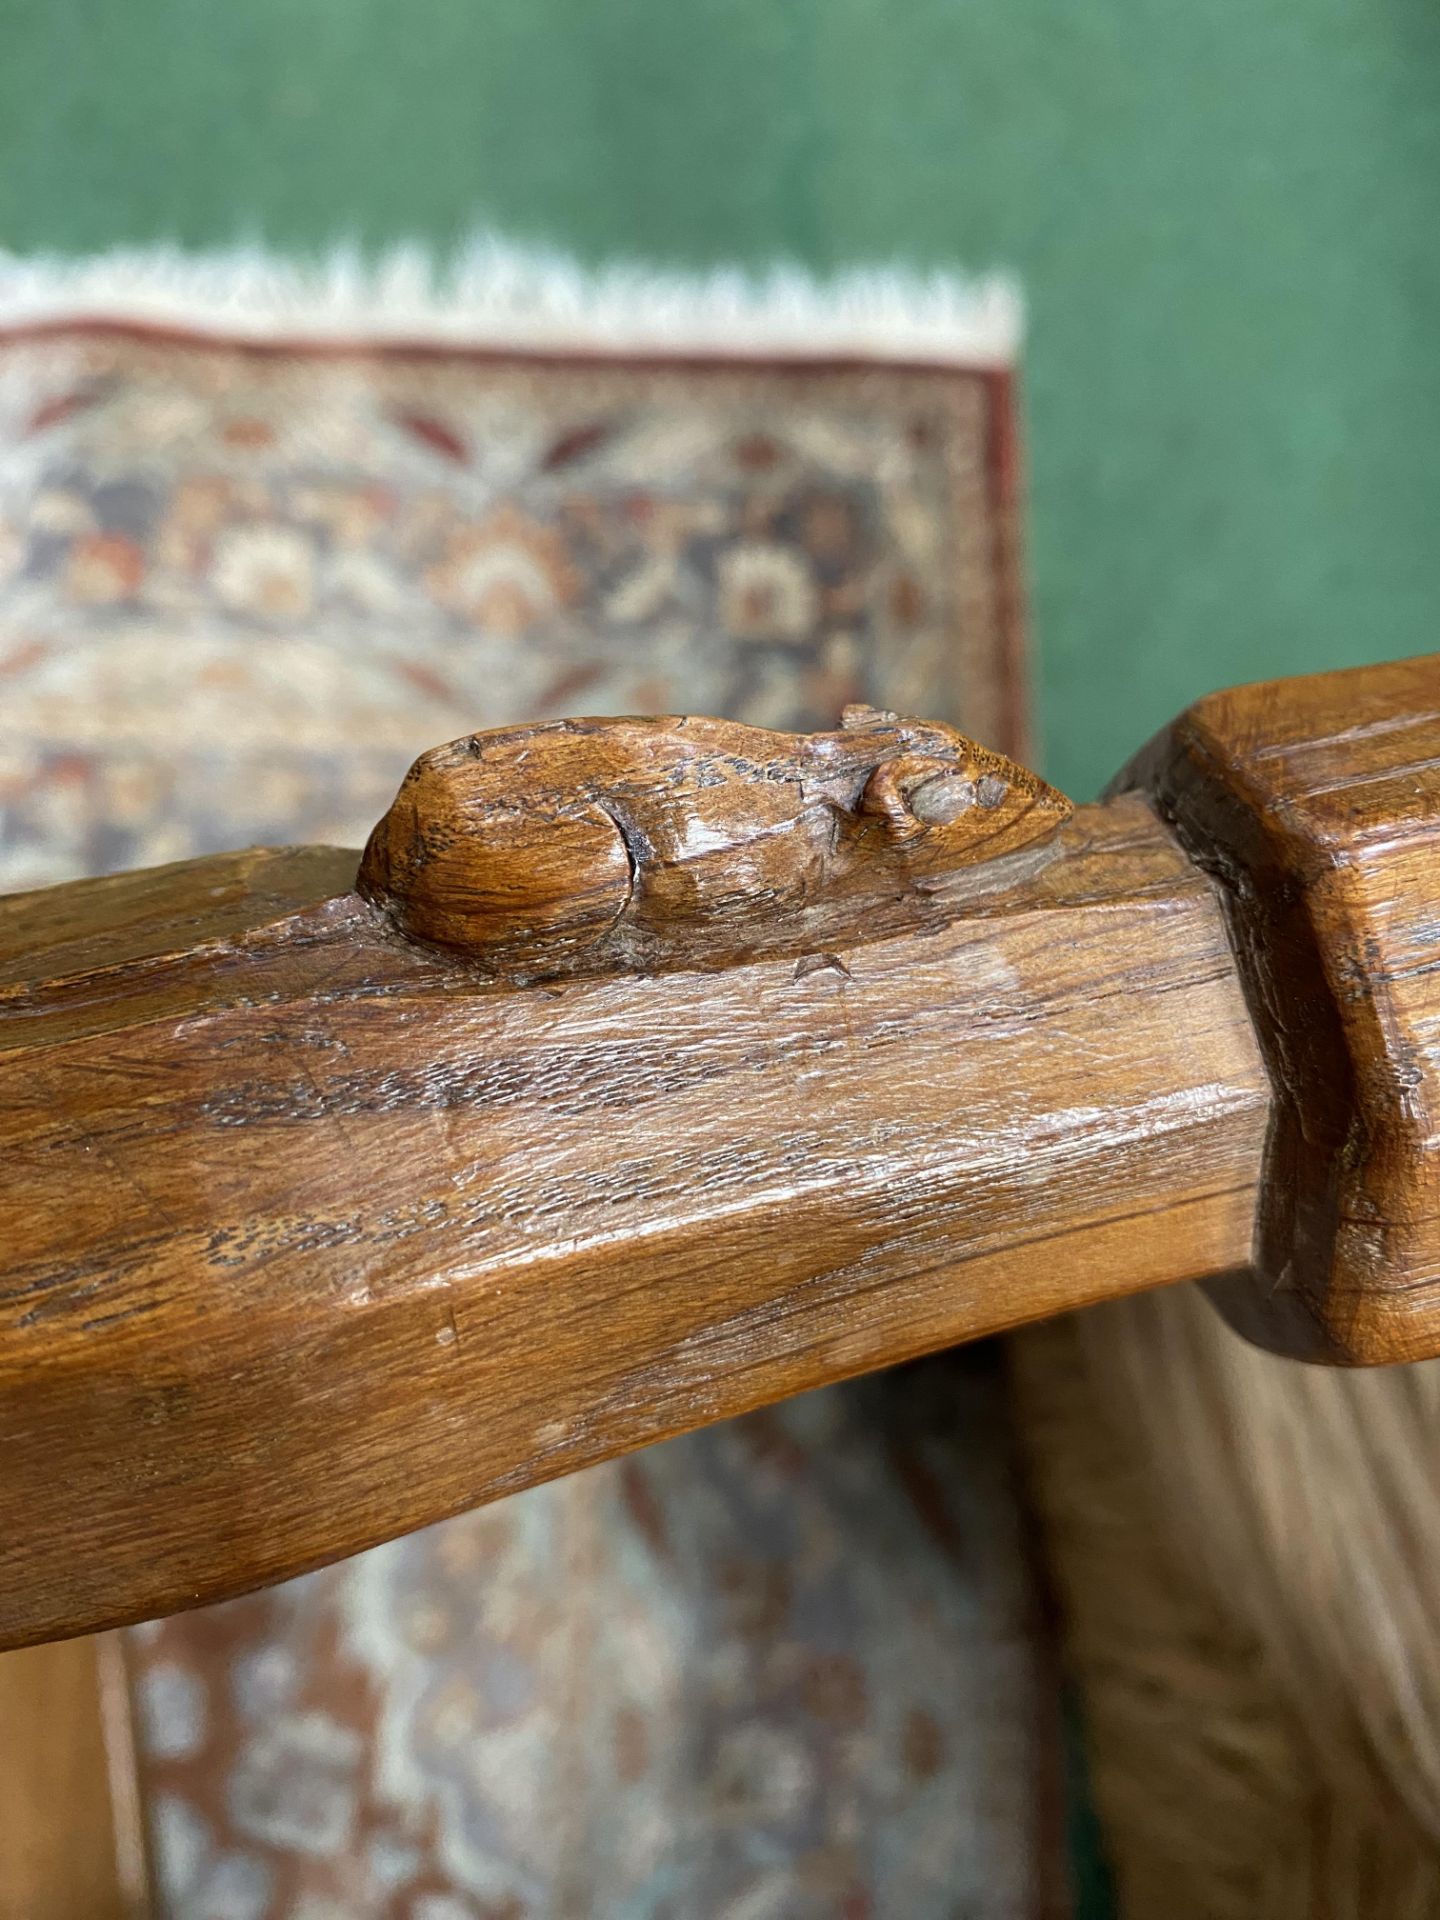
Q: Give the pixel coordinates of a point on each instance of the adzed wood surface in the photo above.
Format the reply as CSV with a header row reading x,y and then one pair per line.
x,y
313,1234
1316,805
327,1211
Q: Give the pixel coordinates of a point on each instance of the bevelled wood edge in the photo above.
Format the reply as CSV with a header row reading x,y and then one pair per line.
x,y
1313,803
1279,1301
90,927
310,1235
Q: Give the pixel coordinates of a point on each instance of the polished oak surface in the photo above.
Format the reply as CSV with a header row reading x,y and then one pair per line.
x,y
329,1210
313,1236
1315,804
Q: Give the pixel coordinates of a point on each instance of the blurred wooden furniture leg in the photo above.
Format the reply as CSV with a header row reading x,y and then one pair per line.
x,y
71,1835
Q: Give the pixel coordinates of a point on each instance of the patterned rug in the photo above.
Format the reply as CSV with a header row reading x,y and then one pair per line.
x,y
790,1668
240,587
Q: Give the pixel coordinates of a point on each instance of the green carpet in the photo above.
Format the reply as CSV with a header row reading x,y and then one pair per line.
x,y
1223,215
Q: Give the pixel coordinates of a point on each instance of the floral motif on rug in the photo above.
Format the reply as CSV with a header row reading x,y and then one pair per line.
x,y
788,1668
241,587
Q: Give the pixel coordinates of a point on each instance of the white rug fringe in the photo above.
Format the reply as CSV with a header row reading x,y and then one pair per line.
x,y
493,292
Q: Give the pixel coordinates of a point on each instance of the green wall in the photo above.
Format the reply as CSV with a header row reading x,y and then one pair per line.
x,y
1223,213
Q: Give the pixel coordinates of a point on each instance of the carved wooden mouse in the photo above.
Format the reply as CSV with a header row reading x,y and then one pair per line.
x,y
592,846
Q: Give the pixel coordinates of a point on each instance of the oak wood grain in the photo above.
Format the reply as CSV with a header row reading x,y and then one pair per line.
x,y
1315,803
313,1234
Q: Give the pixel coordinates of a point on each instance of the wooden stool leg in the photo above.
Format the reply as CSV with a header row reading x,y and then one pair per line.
x,y
71,1837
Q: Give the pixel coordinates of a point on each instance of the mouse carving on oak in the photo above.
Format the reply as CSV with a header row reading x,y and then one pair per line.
x,y
638,845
